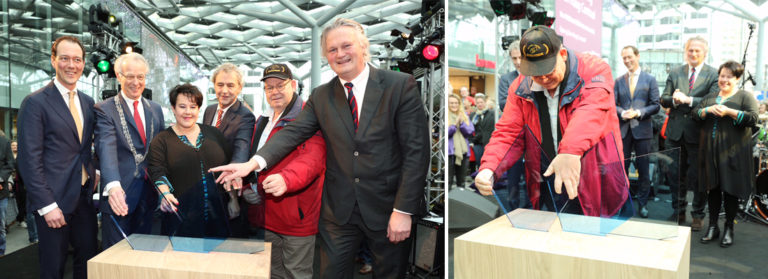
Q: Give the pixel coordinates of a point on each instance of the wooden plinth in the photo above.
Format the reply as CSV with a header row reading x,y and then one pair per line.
x,y
497,250
120,261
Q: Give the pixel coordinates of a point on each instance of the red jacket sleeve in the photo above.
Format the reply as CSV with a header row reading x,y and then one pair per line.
x,y
504,147
306,166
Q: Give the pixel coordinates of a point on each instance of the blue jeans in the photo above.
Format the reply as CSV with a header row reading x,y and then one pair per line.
x,y
3,206
31,227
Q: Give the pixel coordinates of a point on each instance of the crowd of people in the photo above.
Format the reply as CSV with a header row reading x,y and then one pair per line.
x,y
347,168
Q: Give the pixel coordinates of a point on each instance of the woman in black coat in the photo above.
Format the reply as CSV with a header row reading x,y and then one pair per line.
x,y
726,148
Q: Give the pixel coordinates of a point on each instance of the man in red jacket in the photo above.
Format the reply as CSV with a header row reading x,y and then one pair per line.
x,y
564,102
291,188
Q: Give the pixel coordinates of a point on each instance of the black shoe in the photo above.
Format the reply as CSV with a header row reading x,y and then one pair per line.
x,y
727,237
712,233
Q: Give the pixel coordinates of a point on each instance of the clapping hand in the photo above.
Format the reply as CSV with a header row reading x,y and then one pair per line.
x,y
680,97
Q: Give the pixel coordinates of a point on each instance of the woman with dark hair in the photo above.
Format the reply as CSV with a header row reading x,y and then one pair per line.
x,y
179,158
726,148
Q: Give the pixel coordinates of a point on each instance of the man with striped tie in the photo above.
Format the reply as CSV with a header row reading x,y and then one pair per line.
x,y
686,86
235,121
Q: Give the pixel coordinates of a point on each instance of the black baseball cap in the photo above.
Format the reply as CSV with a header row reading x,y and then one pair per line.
x,y
280,71
539,48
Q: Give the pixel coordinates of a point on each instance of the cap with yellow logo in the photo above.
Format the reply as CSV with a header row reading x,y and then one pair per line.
x,y
280,71
539,47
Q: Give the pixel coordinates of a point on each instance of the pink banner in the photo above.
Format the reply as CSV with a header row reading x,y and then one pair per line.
x,y
580,22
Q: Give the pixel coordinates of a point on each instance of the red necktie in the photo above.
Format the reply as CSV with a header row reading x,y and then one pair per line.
x,y
218,118
139,125
352,103
691,80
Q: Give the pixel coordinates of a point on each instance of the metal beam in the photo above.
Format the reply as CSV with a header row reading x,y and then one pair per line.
x,y
746,8
300,13
272,17
335,11
259,52
315,54
719,9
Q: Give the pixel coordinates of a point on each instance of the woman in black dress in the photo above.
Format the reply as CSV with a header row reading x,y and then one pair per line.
x,y
179,158
726,148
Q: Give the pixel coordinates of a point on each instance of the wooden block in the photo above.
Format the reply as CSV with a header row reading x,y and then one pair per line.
x,y
497,250
120,261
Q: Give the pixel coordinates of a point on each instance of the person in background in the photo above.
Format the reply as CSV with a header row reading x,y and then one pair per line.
x,y
460,130
637,100
725,147
484,121
25,217
685,87
6,184
506,80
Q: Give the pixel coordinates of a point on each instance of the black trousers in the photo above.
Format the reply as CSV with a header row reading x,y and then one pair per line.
x,y
80,232
340,243
688,166
459,172
641,147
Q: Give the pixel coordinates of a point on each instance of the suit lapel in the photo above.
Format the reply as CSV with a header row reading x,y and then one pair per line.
x,y
703,75
128,116
56,101
373,94
229,116
88,120
339,103
208,115
149,118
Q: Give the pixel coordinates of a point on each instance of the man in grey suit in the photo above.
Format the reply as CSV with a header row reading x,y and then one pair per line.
x,y
55,136
637,99
125,125
686,86
236,122
376,160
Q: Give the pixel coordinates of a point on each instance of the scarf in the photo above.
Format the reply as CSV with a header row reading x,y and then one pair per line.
x,y
459,143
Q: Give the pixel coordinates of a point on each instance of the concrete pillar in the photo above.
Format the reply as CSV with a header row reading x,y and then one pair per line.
x,y
760,74
316,54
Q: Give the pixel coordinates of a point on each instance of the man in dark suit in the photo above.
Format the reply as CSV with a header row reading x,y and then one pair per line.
x,y
55,135
125,125
506,80
236,122
376,161
637,100
686,86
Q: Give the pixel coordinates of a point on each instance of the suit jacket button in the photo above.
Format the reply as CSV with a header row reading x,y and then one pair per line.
x,y
357,180
355,153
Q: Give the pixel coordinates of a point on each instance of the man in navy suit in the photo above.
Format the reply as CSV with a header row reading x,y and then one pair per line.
x,y
55,135
236,122
637,99
125,125
377,141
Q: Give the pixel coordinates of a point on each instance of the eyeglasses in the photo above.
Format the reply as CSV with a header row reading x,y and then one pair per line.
x,y
67,59
280,87
130,78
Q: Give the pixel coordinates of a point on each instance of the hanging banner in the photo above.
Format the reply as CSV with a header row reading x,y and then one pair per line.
x,y
580,22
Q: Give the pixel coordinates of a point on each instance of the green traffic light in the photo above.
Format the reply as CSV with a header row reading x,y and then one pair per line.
x,y
103,66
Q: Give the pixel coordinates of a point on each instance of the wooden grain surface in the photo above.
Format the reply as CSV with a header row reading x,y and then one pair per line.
x,y
120,261
497,250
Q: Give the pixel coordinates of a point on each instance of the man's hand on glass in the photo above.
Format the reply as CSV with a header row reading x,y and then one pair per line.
x,y
567,169
484,182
